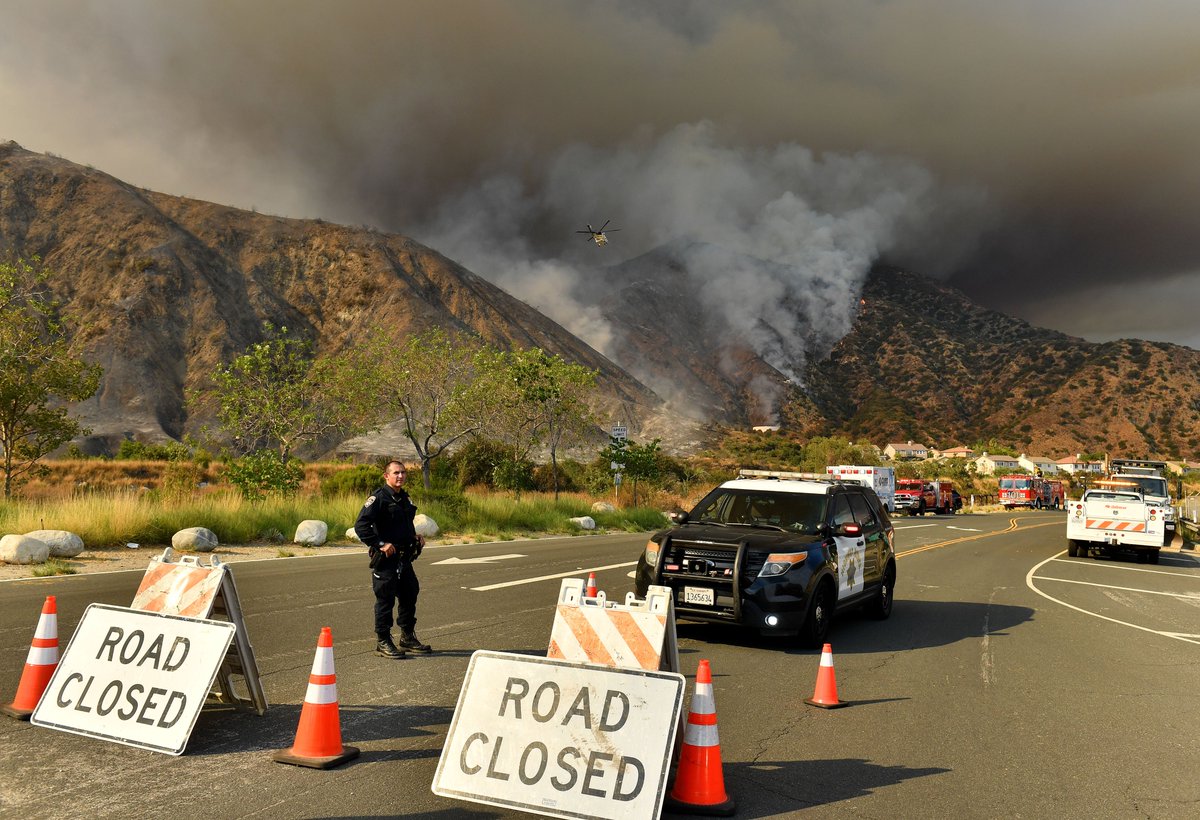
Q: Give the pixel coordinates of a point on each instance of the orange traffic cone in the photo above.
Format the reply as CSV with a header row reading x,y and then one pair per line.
x,y
39,664
319,736
699,783
825,695
591,590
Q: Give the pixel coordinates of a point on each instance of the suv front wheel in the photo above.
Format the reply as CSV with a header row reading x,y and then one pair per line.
x,y
880,607
820,616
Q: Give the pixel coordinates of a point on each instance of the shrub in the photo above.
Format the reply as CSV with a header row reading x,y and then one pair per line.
x,y
263,473
357,480
476,462
131,450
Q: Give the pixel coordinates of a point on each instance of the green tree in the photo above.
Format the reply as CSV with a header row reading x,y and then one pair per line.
x,y
438,386
278,395
639,462
40,371
546,403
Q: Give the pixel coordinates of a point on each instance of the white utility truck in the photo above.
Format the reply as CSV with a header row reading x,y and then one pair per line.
x,y
1149,478
1112,520
880,479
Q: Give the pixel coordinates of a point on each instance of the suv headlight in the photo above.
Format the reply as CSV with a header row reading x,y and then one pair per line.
x,y
780,562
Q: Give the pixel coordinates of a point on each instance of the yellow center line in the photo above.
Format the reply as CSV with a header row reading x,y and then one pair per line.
x,y
1013,525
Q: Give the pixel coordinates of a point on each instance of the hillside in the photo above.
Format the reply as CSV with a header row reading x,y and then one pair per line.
x,y
166,288
925,363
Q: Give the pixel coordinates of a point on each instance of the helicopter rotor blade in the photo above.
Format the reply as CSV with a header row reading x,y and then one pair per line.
x,y
605,225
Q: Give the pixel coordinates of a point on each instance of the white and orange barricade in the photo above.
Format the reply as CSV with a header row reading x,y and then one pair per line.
x,y
187,588
633,635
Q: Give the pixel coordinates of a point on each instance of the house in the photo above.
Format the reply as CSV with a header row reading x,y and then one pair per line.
x,y
991,465
906,452
1078,464
956,452
1038,464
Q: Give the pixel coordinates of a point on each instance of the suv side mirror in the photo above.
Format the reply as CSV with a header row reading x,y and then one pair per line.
x,y
678,517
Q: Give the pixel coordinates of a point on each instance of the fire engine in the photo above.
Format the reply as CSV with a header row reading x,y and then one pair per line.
x,y
916,496
1031,491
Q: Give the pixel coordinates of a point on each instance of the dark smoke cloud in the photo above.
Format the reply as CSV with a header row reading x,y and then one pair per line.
x,y
1043,153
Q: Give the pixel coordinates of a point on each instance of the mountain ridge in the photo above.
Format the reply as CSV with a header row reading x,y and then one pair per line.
x,y
165,289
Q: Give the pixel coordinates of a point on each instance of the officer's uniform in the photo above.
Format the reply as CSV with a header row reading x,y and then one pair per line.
x,y
387,517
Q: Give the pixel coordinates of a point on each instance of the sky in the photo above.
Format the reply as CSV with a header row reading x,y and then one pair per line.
x,y
1042,157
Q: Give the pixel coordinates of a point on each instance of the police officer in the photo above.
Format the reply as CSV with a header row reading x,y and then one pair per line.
x,y
385,525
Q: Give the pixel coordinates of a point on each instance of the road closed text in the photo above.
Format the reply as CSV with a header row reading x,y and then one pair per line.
x,y
593,772
149,705
562,739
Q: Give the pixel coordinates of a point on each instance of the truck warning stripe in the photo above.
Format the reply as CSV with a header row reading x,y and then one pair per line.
x,y
1125,526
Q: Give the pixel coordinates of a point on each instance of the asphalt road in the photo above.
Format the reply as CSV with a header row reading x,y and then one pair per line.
x,y
1010,681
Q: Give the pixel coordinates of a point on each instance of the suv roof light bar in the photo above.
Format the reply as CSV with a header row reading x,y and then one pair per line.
x,y
823,478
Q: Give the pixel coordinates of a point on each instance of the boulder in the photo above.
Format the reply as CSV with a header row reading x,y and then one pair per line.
x,y
603,506
311,533
424,525
195,539
62,543
21,549
584,522
352,535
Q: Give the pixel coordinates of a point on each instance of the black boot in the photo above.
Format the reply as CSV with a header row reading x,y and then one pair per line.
x,y
385,648
410,641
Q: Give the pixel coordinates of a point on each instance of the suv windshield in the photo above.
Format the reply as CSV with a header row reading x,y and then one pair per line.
x,y
793,512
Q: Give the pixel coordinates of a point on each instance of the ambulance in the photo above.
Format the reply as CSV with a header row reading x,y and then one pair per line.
x,y
880,479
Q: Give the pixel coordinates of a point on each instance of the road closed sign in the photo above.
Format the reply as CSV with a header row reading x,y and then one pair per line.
x,y
561,739
138,678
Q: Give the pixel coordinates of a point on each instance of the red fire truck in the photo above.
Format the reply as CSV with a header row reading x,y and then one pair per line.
x,y
916,496
1031,491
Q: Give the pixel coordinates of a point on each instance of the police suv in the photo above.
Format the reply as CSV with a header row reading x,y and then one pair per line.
x,y
777,552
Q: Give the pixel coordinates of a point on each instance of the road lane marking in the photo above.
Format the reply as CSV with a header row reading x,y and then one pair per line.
x,y
1013,525
915,527
1101,565
963,529
1029,579
1193,596
521,581
487,559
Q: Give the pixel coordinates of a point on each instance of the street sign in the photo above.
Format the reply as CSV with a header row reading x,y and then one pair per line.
x,y
561,739
133,677
620,432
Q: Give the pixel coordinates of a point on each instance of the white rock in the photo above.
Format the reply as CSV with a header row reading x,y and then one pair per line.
x,y
21,549
311,533
352,535
195,539
603,506
424,525
62,543
584,522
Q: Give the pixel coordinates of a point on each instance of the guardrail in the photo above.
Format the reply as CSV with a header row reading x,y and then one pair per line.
x,y
1189,508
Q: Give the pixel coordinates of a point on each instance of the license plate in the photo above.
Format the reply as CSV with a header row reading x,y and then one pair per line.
x,y
699,595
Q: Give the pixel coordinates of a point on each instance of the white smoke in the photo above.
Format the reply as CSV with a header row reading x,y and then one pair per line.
x,y
782,238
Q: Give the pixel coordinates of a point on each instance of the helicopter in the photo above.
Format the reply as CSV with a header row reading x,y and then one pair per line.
x,y
599,237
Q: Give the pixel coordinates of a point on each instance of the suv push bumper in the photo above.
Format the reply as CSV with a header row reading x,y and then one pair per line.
x,y
770,606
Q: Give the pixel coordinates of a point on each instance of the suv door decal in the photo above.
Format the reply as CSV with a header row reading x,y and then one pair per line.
x,y
850,550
